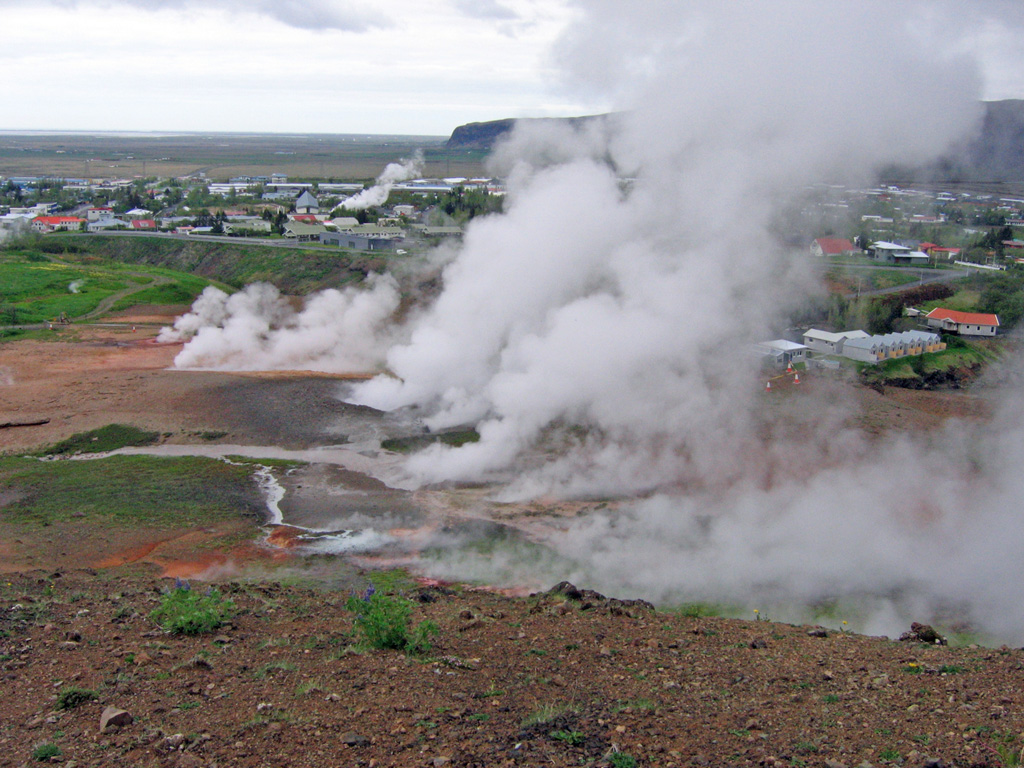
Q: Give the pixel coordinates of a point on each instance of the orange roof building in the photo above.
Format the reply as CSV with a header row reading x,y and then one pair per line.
x,y
964,323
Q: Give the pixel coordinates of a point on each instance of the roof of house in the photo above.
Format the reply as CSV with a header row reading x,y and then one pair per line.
x,y
833,245
814,333
306,200
963,318
299,228
782,345
58,219
887,246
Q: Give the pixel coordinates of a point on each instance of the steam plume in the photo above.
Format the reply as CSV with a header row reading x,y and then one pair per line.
x,y
378,193
257,329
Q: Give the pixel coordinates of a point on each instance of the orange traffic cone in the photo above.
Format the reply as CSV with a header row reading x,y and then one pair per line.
x,y
796,378
133,329
789,368
768,387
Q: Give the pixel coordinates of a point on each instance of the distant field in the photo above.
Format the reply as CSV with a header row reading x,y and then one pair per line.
x,y
293,270
222,156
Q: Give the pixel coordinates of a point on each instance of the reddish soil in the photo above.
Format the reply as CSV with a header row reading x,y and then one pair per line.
x,y
508,682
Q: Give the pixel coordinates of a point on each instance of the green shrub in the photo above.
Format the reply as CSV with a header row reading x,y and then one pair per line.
x,y
184,611
45,751
383,621
71,697
572,738
621,760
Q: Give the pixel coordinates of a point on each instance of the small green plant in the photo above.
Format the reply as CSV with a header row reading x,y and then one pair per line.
x,y
267,670
546,714
572,738
830,698
950,669
72,697
1009,755
45,751
479,717
185,611
741,733
913,669
889,754
621,760
185,705
383,621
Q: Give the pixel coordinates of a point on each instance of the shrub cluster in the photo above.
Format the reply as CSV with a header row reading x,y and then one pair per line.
x,y
383,621
184,611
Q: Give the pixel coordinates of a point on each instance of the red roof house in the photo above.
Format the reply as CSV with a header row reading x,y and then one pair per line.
x,y
831,246
965,323
53,223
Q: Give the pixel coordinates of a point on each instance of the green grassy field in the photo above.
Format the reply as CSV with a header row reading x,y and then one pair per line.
x,y
293,270
127,490
37,287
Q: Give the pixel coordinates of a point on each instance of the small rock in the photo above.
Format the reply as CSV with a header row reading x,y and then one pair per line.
x,y
353,739
758,642
114,717
817,632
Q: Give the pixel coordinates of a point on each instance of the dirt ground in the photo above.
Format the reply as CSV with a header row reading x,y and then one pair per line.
x,y
554,680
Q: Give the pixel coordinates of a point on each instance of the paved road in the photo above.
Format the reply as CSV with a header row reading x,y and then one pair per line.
x,y
925,276
266,242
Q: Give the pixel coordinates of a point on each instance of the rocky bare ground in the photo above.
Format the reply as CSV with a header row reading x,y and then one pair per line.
x,y
567,678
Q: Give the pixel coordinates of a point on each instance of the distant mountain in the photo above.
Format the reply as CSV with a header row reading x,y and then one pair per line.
x,y
485,135
995,154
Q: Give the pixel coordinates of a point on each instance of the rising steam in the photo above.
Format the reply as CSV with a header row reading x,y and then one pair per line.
x,y
258,329
378,193
596,332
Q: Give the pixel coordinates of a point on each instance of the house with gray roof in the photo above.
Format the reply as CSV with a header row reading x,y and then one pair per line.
x,y
307,203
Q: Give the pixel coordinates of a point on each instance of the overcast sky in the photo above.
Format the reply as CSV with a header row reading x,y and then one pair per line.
x,y
332,66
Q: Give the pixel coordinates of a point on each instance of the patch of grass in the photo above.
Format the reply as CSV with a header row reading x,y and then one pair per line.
x,y
309,686
545,714
699,610
889,754
642,705
129,490
102,440
950,669
268,670
72,697
572,738
384,622
419,442
185,611
45,751
621,760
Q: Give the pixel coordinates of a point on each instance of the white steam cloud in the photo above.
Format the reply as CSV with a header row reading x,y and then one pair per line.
x,y
628,311
378,193
258,329
596,333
